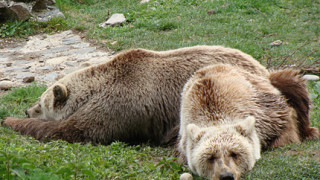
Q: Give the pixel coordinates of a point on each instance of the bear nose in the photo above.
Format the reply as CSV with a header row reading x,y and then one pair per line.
x,y
226,176
27,114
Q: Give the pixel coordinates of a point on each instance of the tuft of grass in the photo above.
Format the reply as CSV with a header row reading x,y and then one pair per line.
x,y
31,27
16,102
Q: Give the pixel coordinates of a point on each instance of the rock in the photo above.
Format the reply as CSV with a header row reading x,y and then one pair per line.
x,y
143,1
14,11
45,68
20,62
276,43
28,79
310,77
71,63
23,9
23,75
53,13
186,176
114,20
50,77
6,85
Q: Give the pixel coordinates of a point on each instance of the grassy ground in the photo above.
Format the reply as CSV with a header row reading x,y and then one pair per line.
x,y
249,25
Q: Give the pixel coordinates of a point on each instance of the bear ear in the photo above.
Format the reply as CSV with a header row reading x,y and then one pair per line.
x,y
247,126
60,92
194,132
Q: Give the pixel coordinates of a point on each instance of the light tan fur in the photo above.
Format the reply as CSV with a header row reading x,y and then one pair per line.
x,y
134,97
219,97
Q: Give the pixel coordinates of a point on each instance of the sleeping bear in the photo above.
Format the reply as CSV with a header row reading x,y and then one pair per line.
x,y
134,97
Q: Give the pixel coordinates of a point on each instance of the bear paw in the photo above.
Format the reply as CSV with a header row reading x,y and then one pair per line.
x,y
313,134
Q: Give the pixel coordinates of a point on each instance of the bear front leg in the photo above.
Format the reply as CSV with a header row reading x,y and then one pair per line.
x,y
46,130
30,126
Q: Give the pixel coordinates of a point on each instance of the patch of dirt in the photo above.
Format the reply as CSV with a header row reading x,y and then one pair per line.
x,y
12,42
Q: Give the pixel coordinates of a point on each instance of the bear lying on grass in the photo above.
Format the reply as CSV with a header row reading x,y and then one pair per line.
x,y
135,97
228,114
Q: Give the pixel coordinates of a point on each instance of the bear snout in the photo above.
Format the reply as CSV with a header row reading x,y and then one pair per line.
x,y
226,176
27,114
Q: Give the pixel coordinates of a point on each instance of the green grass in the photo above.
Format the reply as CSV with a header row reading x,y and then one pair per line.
x,y
248,25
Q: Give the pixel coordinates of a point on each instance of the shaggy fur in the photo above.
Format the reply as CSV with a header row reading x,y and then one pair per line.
x,y
219,97
134,97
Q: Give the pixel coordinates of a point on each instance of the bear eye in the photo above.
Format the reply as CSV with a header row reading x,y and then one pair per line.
x,y
234,155
211,159
37,111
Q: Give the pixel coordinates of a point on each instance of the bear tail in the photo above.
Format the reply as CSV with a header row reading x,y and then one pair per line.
x,y
293,87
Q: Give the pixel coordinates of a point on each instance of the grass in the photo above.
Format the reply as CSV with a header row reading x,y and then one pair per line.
x,y
248,25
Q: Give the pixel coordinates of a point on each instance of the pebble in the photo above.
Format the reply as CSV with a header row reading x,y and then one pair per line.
x,y
276,43
186,176
115,20
28,79
6,85
310,77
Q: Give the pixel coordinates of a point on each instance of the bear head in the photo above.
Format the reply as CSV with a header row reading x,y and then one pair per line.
x,y
224,151
50,103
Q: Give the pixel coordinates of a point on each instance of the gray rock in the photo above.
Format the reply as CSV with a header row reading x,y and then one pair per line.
x,y
45,68
3,59
143,1
114,20
71,63
49,77
25,74
186,176
15,69
79,51
28,79
310,77
15,11
19,62
6,85
71,40
49,15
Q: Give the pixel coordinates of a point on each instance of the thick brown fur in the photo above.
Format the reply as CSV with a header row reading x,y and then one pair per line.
x,y
293,87
222,103
134,97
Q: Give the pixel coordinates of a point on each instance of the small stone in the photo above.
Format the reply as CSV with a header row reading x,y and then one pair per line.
x,y
28,79
212,11
19,62
50,76
9,64
310,77
114,20
71,63
276,43
45,68
186,176
6,85
143,1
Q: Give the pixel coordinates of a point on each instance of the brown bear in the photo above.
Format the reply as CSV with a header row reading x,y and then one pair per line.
x,y
134,97
228,114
